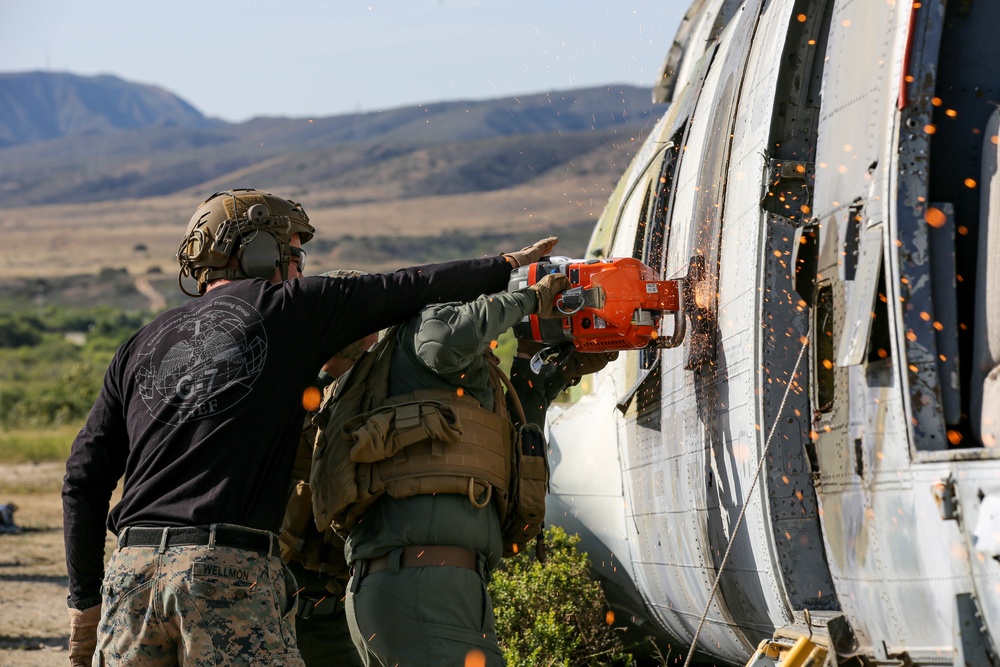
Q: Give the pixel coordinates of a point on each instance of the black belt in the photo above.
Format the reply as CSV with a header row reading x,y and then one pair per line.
x,y
235,537
418,556
309,605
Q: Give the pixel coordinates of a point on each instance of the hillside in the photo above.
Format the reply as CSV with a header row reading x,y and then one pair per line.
x,y
38,106
82,146
384,189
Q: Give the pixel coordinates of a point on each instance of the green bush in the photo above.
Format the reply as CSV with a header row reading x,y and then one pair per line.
x,y
553,614
65,401
47,377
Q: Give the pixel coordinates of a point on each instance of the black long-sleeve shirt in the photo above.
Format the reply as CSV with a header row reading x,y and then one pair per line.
x,y
201,410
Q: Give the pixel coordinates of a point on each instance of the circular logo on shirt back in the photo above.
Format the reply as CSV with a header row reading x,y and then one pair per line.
x,y
203,362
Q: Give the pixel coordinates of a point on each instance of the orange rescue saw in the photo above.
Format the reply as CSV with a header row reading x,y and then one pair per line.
x,y
612,304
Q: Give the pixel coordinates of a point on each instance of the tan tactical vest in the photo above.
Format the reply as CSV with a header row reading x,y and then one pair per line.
x,y
300,540
427,442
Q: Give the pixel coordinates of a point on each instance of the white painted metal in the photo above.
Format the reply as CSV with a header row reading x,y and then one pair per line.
x,y
656,497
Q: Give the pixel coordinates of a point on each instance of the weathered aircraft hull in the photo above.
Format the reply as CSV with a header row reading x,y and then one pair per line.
x,y
825,438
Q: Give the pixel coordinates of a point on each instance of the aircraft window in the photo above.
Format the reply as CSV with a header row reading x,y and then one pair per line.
x,y
656,235
640,231
879,347
823,366
631,225
951,171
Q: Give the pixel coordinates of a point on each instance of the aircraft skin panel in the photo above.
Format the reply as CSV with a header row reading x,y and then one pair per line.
x,y
862,509
675,570
749,589
871,543
585,465
853,133
693,37
875,500
791,525
688,564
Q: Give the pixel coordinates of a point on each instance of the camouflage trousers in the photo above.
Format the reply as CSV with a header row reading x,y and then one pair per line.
x,y
196,605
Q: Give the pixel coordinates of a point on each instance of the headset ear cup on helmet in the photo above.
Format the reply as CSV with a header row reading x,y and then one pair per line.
x,y
255,226
260,256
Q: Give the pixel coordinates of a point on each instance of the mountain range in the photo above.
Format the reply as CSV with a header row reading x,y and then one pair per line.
x,y
100,175
66,138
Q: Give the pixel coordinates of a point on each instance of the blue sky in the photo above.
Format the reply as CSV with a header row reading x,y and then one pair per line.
x,y
237,59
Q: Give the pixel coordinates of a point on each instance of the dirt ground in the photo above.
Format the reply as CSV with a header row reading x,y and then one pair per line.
x,y
34,626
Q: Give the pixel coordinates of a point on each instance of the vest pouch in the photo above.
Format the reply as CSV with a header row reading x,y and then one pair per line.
x,y
527,511
324,553
480,493
297,521
333,478
382,433
459,448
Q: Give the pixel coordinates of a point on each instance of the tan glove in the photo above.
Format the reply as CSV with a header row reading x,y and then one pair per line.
x,y
83,635
532,253
546,290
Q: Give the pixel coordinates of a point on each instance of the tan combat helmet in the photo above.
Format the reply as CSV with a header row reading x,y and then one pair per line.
x,y
255,225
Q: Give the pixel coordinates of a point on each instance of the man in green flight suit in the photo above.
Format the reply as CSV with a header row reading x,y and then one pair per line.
x,y
423,547
317,558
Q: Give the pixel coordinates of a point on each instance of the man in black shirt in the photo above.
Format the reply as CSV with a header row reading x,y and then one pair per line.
x,y
201,411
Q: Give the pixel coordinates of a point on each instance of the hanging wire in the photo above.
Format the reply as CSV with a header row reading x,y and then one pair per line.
x,y
746,501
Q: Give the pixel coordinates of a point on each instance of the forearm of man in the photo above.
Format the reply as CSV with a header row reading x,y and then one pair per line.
x,y
493,314
345,309
449,337
95,463
84,534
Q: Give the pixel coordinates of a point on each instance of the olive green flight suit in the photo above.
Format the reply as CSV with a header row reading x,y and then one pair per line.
x,y
433,616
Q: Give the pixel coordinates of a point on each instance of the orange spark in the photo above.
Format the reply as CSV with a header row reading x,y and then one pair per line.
x,y
311,399
475,658
935,217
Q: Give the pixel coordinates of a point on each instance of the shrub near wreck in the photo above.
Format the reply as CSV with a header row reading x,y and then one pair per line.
x,y
552,613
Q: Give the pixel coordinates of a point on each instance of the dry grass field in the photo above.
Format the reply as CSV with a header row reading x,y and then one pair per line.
x,y
34,626
142,235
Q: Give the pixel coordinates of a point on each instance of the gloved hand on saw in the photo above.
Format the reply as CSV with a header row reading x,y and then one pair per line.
x,y
546,290
531,253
